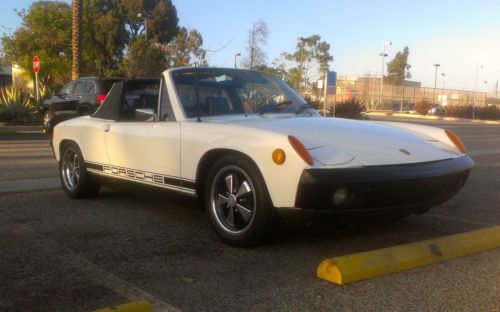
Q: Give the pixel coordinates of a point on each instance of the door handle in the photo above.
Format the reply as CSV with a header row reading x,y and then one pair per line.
x,y
106,128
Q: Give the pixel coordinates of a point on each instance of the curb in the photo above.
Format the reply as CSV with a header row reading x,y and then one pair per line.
x,y
360,266
21,130
136,306
489,122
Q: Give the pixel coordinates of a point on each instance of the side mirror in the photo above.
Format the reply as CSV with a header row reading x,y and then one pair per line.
x,y
145,114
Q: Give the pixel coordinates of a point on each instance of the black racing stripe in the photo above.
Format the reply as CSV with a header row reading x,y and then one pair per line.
x,y
94,166
171,181
188,184
142,176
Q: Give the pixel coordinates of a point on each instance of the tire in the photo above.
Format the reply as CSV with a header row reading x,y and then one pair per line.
x,y
75,180
238,202
48,121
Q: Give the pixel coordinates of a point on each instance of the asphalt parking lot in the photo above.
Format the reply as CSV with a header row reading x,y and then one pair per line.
x,y
59,254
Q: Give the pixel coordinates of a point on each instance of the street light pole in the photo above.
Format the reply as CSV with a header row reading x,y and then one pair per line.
x,y
475,90
383,55
235,56
435,81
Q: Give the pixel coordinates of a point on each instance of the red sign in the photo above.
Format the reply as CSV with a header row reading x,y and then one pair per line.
x,y
36,65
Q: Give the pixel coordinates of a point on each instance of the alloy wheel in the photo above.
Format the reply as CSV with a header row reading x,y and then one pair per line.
x,y
233,199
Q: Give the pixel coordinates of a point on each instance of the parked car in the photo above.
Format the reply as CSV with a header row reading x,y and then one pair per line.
x,y
77,98
252,150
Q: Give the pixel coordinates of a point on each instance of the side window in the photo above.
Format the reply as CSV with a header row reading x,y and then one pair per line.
x,y
79,87
141,94
67,89
166,111
89,87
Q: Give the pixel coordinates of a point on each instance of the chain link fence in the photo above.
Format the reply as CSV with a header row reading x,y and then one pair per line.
x,y
397,98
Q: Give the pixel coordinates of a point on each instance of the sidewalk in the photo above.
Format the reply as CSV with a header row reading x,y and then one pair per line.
x,y
432,117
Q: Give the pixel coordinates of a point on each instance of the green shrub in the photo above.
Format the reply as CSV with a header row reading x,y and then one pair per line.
x,y
44,92
315,103
15,107
487,112
458,111
423,107
352,108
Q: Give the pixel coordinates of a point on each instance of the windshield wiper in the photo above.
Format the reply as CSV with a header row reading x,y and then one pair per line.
x,y
268,107
302,108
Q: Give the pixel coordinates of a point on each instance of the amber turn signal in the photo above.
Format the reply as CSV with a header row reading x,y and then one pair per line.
x,y
301,150
279,156
455,140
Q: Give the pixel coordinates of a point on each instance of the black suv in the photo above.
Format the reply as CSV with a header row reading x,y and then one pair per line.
x,y
77,98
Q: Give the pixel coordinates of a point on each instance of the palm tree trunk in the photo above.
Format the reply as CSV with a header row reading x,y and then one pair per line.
x,y
76,38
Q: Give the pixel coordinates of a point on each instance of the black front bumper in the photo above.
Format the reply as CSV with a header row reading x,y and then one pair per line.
x,y
393,190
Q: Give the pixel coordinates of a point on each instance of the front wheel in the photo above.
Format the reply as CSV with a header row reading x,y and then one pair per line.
x,y
75,179
238,202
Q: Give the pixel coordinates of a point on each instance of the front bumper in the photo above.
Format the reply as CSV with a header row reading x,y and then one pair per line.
x,y
394,190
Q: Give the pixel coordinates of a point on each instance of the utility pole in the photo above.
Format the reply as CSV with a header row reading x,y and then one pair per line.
x,y
383,55
406,73
475,90
496,93
443,75
435,81
301,39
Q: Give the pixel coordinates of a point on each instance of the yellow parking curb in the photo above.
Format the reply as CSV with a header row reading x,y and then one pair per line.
x,y
351,268
136,306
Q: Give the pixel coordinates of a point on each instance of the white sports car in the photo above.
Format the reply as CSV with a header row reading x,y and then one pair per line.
x,y
252,149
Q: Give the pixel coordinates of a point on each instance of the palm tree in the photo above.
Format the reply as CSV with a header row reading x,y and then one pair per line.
x,y
76,38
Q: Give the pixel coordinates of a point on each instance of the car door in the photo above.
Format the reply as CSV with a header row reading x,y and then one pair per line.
x,y
146,151
59,103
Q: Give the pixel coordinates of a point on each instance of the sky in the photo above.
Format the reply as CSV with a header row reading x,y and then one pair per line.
x,y
460,35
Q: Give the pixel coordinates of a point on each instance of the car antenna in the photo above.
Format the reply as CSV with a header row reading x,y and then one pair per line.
x,y
198,106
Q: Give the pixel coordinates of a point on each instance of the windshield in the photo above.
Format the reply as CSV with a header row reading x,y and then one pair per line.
x,y
232,91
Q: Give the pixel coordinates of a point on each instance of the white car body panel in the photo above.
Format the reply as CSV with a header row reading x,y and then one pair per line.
x,y
175,148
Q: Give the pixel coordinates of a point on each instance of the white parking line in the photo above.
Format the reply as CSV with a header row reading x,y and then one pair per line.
x,y
93,272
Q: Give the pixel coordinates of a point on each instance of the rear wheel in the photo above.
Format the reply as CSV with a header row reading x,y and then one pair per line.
x,y
237,201
48,121
75,179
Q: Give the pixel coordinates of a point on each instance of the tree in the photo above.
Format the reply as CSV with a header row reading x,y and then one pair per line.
x,y
144,58
396,68
160,17
185,49
257,36
312,57
46,32
76,38
104,38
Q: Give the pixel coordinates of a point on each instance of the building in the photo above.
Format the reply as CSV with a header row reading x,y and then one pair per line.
x,y
5,76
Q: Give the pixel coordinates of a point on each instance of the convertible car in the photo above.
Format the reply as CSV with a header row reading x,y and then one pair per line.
x,y
252,150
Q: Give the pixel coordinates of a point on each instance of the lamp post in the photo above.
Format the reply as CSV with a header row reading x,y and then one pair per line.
x,y
383,55
435,81
235,57
145,16
475,90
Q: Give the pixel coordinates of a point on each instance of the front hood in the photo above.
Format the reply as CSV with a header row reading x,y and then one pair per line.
x,y
337,141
